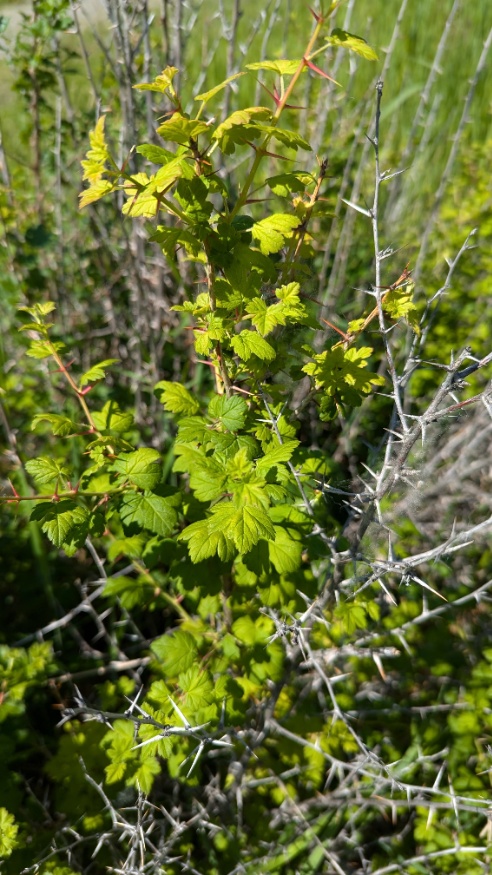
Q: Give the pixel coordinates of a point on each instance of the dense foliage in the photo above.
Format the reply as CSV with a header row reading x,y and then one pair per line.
x,y
245,587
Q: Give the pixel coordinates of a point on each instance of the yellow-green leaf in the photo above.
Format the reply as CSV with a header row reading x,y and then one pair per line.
x,y
282,67
161,83
354,43
207,95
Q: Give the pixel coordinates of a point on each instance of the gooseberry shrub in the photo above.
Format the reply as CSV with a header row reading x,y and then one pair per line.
x,y
253,603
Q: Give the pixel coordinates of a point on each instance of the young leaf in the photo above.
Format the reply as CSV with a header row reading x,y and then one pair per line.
x,y
398,304
97,372
204,541
161,83
284,184
249,343
96,190
179,129
239,118
155,154
275,454
43,349
176,398
207,95
143,193
272,232
288,138
8,833
336,367
265,318
282,67
244,525
350,41
98,154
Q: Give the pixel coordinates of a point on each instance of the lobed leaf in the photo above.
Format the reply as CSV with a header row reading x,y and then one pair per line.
x,y
149,511
207,95
162,82
142,467
357,44
177,652
45,471
272,232
97,372
176,398
250,343
231,412
282,67
179,129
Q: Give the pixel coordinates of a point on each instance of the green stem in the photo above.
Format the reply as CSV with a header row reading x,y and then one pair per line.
x,y
261,150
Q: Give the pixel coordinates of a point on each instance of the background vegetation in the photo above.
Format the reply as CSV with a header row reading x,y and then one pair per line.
x,y
359,738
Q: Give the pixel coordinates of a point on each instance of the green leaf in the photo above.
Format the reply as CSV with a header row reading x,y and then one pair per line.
x,y
142,467
112,420
150,511
179,129
282,67
203,542
208,481
398,304
231,412
98,154
161,83
240,118
146,773
177,652
97,372
343,373
284,184
96,190
207,95
171,238
59,424
351,615
132,546
272,232
354,43
249,343
155,154
143,193
61,521
285,551
129,591
8,833
198,687
192,195
265,318
176,398
45,471
42,349
115,772
288,138
244,525
274,455
192,429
